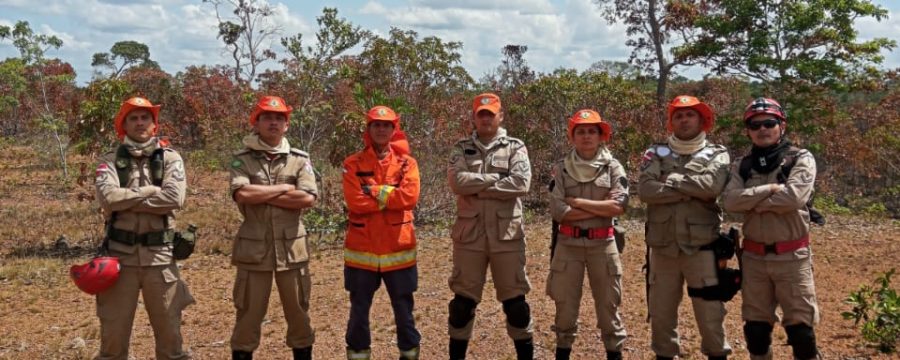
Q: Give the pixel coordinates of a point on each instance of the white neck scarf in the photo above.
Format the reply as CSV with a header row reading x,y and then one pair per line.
x,y
687,147
137,149
585,170
253,142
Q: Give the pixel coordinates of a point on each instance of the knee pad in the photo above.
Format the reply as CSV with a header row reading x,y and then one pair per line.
x,y
518,313
802,339
462,310
758,335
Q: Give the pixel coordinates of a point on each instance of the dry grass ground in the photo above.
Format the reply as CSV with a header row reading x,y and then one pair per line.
x,y
43,316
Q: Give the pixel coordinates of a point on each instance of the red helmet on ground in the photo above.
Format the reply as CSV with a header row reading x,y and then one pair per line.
x,y
588,116
270,104
685,101
96,275
764,105
130,105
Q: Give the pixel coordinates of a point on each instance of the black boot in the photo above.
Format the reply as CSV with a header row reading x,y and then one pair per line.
x,y
563,353
524,349
458,349
613,355
241,355
303,353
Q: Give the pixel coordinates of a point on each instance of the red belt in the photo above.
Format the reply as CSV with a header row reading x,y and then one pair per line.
x,y
593,233
776,248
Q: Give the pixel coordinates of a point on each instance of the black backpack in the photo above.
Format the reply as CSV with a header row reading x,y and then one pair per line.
x,y
790,159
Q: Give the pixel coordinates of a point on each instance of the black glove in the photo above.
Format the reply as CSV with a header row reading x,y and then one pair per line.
x,y
366,190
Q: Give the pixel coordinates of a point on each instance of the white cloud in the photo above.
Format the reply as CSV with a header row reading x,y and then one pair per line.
x,y
373,8
869,29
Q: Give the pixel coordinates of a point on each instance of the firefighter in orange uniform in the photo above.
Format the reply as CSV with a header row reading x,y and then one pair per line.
x,y
381,188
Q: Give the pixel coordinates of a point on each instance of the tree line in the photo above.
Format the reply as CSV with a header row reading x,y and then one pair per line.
x,y
840,104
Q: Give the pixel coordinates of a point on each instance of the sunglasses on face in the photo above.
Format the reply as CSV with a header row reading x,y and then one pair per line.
x,y
768,123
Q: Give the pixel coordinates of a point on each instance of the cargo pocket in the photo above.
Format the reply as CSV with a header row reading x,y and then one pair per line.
x,y
703,229
182,296
602,181
522,279
295,244
304,283
614,267
406,234
509,224
464,228
249,249
557,268
803,290
239,294
657,227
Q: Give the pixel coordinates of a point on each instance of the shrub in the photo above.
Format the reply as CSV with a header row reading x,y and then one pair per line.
x,y
878,309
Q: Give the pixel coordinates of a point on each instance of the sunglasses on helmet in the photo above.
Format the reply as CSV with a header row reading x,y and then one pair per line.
x,y
768,123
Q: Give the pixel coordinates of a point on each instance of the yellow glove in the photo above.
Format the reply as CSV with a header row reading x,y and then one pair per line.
x,y
381,194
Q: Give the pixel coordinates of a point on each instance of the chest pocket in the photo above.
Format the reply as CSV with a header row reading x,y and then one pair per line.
x,y
473,162
500,164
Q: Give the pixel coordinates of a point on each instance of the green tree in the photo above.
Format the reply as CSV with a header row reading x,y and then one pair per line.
x,y
653,27
777,42
247,34
312,73
13,85
130,53
32,48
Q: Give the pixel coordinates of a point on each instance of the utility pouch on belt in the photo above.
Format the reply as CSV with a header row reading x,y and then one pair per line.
x,y
729,279
183,245
619,234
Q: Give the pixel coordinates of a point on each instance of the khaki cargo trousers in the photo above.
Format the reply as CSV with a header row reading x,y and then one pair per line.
x,y
251,300
565,286
667,278
165,296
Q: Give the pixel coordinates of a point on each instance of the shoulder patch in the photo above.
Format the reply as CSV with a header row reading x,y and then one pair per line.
x,y
299,152
236,163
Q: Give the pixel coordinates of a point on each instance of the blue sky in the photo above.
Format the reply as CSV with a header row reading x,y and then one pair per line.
x,y
558,33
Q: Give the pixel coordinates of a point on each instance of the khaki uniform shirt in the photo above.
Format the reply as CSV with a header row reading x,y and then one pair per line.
x,y
140,206
682,214
271,238
489,186
610,184
768,217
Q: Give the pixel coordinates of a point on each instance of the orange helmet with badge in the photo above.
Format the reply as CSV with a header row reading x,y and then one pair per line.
x,y
690,102
270,104
588,116
130,105
764,105
398,141
96,275
486,101
383,113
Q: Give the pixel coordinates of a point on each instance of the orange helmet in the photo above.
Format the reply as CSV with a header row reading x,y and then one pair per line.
x,y
486,101
588,116
130,105
96,275
383,113
271,104
686,101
